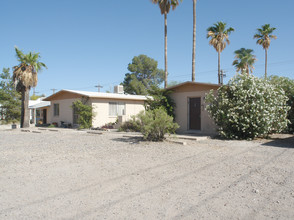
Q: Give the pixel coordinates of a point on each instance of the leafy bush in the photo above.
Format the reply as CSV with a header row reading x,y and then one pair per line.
x,y
85,114
248,107
161,98
131,125
109,125
154,124
10,99
288,86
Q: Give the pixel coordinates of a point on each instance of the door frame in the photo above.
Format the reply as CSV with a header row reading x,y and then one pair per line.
x,y
188,113
44,115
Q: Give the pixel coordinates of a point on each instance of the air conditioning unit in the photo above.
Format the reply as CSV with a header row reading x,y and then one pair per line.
x,y
119,89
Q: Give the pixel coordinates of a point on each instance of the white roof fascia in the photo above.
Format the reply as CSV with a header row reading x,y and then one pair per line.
x,y
109,95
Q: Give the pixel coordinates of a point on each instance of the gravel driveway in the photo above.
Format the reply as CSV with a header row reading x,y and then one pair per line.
x,y
68,174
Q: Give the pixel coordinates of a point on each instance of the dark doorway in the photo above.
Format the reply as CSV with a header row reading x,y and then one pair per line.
x,y
44,116
195,113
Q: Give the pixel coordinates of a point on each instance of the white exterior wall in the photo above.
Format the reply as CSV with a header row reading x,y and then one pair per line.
x,y
65,111
101,109
182,111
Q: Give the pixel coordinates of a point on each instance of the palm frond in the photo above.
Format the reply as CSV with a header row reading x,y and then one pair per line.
x,y
165,5
19,54
244,60
264,35
219,35
26,73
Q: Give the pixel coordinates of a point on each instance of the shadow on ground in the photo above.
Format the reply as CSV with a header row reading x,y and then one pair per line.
x,y
128,139
287,142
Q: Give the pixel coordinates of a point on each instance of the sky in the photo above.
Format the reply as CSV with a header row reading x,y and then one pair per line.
x,y
89,42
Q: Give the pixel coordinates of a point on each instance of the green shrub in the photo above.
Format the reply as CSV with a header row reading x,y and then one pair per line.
x,y
131,125
85,114
288,86
154,124
161,98
248,107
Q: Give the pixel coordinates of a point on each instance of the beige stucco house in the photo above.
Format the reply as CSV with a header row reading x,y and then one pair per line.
x,y
190,111
38,109
108,107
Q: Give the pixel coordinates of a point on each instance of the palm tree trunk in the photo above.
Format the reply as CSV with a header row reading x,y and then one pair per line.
x,y
25,112
165,49
194,40
219,68
265,73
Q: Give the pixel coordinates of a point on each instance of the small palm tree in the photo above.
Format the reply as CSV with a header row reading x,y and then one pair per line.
x,y
264,36
244,60
25,76
194,40
219,38
165,6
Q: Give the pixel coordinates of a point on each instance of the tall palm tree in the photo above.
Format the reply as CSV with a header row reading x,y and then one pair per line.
x,y
244,60
264,36
219,38
165,6
194,40
25,76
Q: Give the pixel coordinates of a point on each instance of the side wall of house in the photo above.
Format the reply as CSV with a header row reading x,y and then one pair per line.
x,y
101,109
182,112
65,111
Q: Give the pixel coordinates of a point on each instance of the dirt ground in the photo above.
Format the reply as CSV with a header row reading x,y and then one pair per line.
x,y
75,175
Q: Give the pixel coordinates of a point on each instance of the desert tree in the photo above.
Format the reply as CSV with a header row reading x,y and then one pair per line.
x,y
165,6
25,76
194,41
219,38
264,36
244,60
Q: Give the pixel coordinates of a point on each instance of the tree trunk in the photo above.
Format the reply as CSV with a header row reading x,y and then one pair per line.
x,y
219,68
25,112
265,73
194,40
165,49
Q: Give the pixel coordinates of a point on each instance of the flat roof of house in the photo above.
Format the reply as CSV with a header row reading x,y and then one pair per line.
x,y
40,104
99,95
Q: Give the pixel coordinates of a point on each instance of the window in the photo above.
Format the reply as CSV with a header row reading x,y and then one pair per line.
x,y
56,109
117,108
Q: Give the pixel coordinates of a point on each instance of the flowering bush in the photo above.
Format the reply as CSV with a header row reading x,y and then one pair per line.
x,y
287,85
248,107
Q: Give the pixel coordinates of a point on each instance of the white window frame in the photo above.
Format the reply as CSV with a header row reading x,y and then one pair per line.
x,y
118,109
56,109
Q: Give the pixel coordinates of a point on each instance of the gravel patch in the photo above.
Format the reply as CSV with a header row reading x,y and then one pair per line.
x,y
71,174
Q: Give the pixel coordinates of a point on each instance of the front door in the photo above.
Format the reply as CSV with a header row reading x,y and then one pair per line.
x,y
44,116
195,113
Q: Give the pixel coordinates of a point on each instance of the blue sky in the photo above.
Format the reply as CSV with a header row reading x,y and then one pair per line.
x,y
86,42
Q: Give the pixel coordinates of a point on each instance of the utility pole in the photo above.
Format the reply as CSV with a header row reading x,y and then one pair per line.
x,y
221,77
34,91
99,86
53,90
